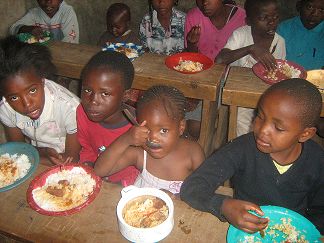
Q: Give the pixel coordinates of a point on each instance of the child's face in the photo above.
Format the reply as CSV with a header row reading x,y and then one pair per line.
x,y
164,131
50,7
162,6
102,95
265,20
312,13
24,92
118,25
277,128
209,7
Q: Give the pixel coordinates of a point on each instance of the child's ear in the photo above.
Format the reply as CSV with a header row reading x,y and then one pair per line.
x,y
182,126
308,133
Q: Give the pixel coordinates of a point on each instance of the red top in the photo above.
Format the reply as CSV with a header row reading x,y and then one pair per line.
x,y
94,138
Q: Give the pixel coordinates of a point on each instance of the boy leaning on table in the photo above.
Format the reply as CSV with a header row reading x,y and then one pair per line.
x,y
277,164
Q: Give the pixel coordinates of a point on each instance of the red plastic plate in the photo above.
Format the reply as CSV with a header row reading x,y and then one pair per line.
x,y
40,181
172,61
260,71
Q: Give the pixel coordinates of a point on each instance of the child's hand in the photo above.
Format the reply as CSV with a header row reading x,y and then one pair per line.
x,y
138,134
236,213
264,56
194,35
55,157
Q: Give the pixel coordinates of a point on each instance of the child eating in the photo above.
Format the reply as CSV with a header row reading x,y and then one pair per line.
x,y
118,19
33,107
155,147
255,42
277,164
162,29
54,16
100,118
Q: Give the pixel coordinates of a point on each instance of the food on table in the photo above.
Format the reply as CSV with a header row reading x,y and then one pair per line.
x,y
284,69
145,212
189,66
316,77
129,52
285,230
12,168
64,190
33,39
288,231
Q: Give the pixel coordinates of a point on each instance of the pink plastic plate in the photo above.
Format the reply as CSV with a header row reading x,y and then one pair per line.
x,y
260,71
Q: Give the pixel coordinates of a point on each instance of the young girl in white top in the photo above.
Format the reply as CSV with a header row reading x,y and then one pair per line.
x,y
155,146
34,108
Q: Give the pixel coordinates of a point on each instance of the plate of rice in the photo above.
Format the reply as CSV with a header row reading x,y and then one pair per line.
x,y
18,161
63,189
285,226
131,50
285,70
31,39
188,62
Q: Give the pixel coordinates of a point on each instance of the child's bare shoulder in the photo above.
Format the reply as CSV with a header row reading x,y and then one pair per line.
x,y
191,146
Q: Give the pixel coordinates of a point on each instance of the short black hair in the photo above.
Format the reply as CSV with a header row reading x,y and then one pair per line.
x,y
173,100
307,98
17,57
252,6
114,62
116,9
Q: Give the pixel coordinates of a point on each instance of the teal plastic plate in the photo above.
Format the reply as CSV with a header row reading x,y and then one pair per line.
x,y
20,148
276,214
29,38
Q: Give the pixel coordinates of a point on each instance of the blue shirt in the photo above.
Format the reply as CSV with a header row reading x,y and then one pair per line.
x,y
303,46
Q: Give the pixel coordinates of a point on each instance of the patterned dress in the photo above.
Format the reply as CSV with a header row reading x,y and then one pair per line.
x,y
158,40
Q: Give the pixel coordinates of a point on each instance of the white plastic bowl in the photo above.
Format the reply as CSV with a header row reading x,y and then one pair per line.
x,y
144,235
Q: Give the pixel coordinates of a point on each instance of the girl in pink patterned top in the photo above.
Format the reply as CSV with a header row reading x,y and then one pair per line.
x,y
210,24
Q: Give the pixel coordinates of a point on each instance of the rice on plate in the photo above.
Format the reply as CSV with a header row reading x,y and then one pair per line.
x,y
64,190
12,168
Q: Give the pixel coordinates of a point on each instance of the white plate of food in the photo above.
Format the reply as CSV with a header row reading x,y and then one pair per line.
x,y
63,189
131,50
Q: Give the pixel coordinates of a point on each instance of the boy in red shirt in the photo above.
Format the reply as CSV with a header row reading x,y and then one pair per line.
x,y
100,116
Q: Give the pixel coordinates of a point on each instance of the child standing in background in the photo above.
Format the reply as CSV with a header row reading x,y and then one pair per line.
x,y
33,107
304,35
207,28
255,42
155,147
278,164
210,24
54,16
100,116
162,29
118,19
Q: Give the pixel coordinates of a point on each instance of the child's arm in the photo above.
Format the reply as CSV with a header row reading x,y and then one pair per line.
x,y
14,134
193,38
121,152
70,27
25,24
72,147
227,56
236,213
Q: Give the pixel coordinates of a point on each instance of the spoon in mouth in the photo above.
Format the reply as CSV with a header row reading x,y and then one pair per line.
x,y
152,145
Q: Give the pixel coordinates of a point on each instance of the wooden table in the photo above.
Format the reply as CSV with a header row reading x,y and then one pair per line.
x,y
243,89
150,69
97,222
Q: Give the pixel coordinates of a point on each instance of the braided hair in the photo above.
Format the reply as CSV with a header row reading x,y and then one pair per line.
x,y
173,100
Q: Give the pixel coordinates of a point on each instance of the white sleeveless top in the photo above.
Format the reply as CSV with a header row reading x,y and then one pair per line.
x,y
146,179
